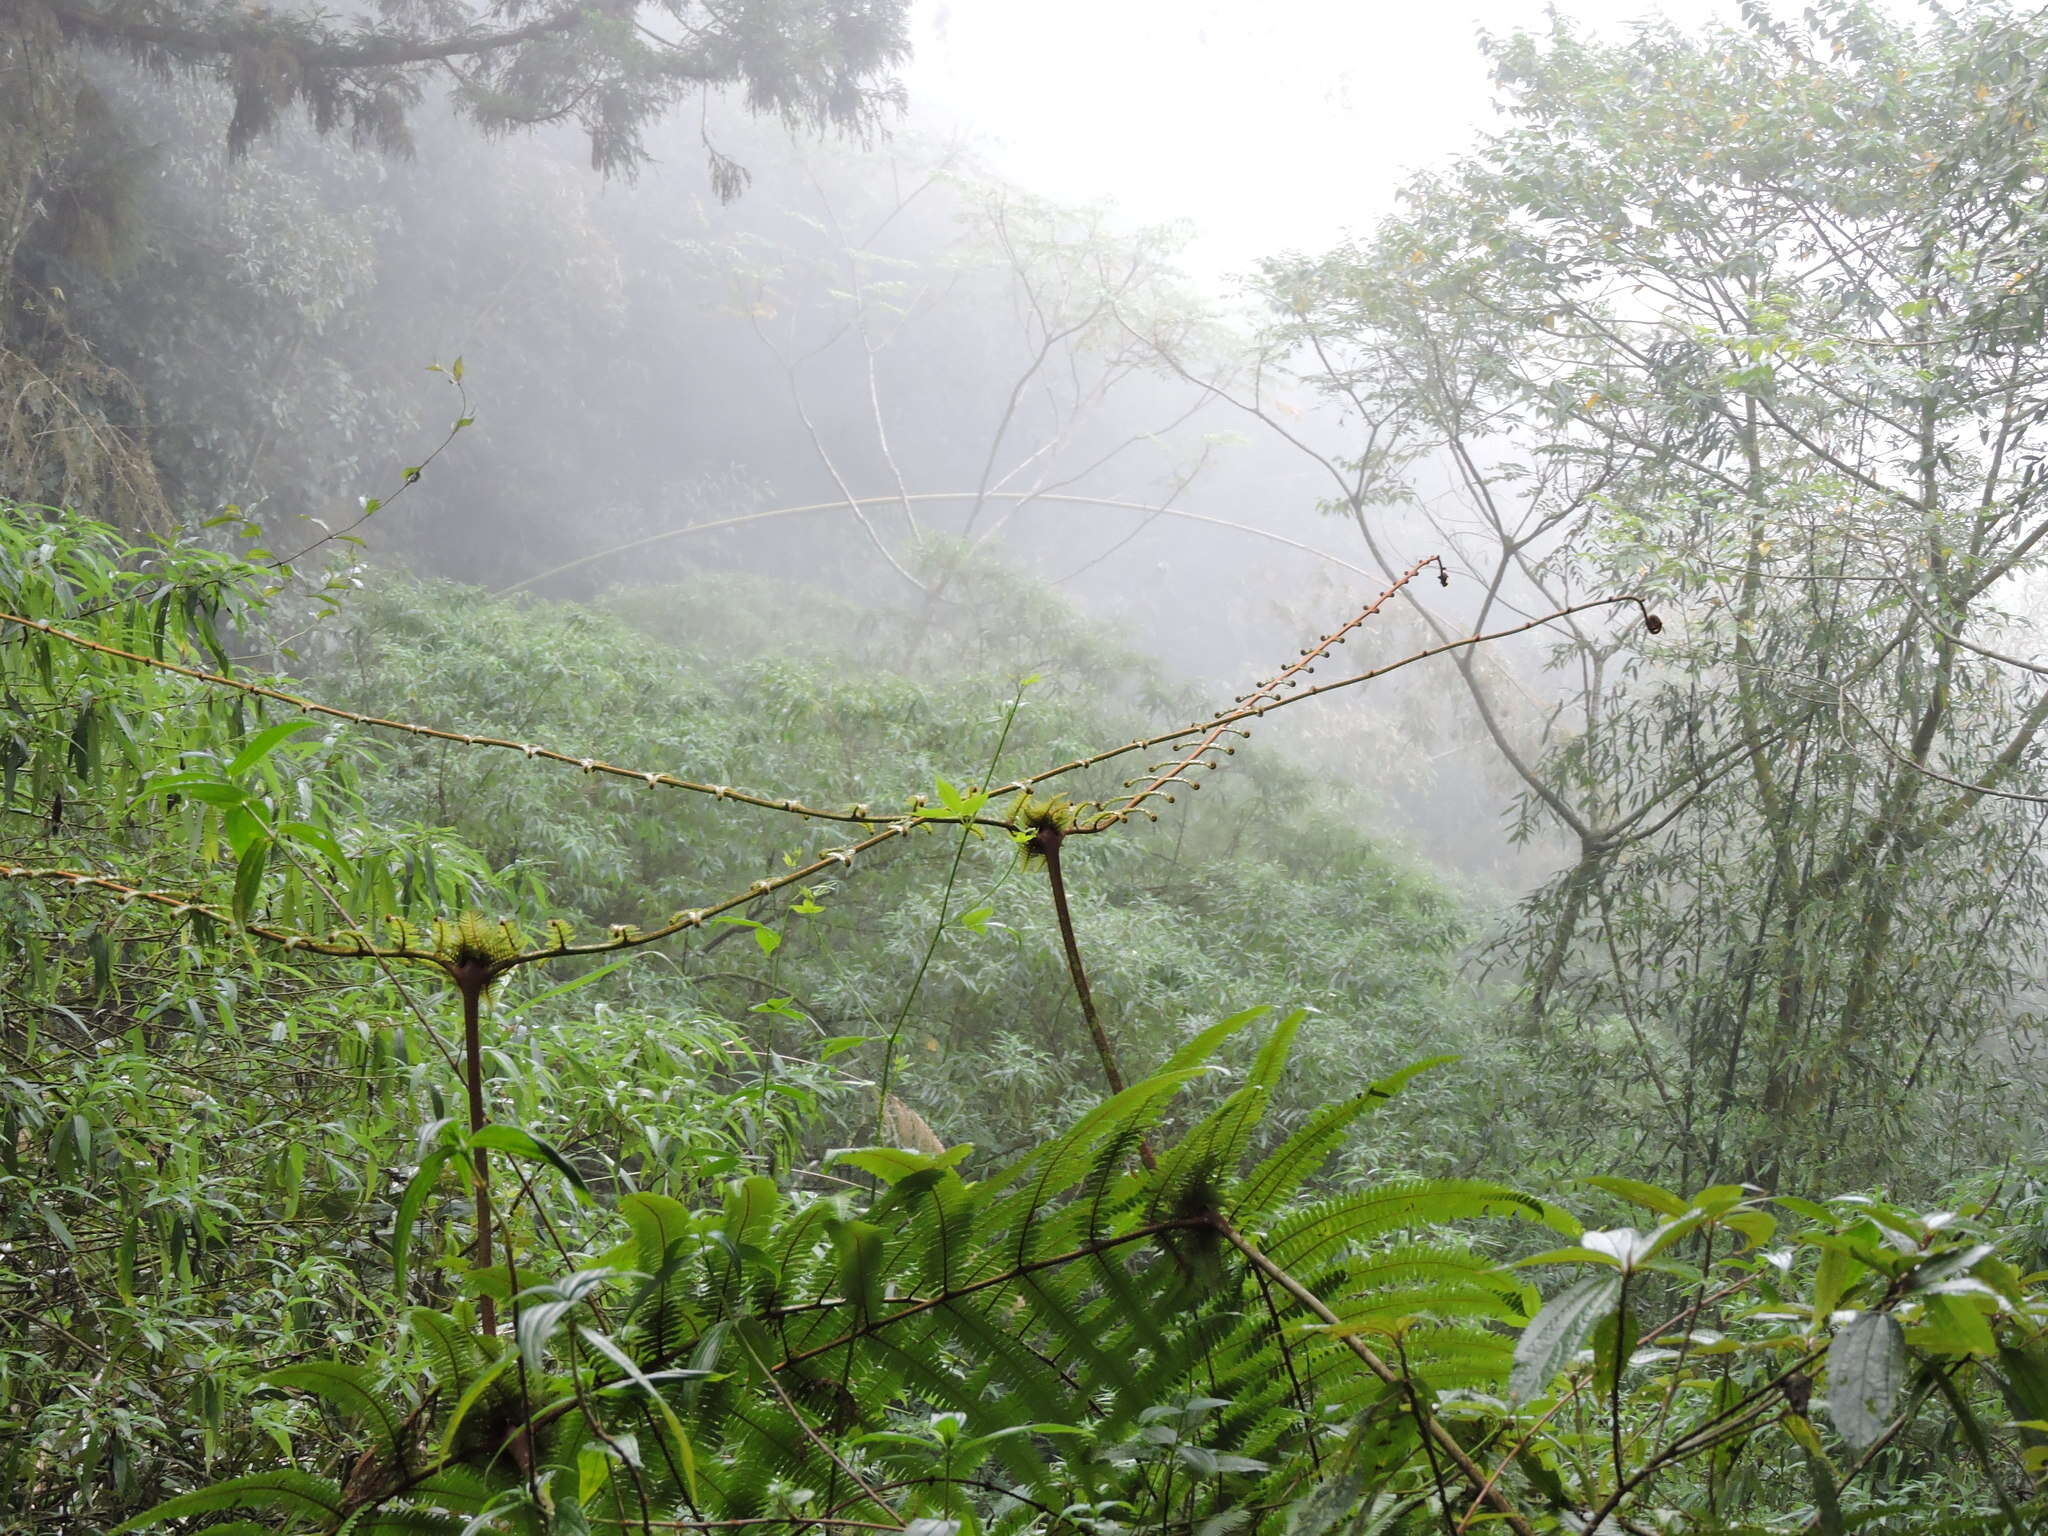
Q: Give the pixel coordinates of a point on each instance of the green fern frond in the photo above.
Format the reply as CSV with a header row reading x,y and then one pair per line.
x,y
1051,1171
351,1390
659,1223
455,1356
1452,1276
285,1490
389,1521
1199,1050
1307,1240
1277,1179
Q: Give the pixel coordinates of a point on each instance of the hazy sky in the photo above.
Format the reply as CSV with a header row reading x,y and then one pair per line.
x,y
1269,123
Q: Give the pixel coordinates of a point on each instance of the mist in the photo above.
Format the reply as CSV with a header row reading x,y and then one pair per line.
x,y
883,764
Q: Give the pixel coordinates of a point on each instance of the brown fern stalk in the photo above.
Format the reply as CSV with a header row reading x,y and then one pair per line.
x,y
1045,843
472,977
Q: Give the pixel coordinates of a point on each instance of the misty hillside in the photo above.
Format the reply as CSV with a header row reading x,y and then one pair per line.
x,y
851,765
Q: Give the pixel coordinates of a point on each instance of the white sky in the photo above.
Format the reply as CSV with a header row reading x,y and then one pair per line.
x,y
1269,124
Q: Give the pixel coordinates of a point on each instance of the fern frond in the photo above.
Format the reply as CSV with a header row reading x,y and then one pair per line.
x,y
1198,1050
1438,1279
1050,1171
390,1521
286,1490
1305,1241
351,1390
1284,1171
659,1224
453,1354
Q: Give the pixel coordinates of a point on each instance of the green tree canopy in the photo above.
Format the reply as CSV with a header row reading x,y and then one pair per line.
x,y
1750,321
610,67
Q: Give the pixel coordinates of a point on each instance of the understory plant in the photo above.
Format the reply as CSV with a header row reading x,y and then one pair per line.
x,y
537,1269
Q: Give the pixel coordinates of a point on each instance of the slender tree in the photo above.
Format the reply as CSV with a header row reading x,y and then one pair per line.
x,y
1750,320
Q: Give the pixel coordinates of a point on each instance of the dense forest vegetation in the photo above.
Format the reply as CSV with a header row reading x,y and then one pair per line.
x,y
711,824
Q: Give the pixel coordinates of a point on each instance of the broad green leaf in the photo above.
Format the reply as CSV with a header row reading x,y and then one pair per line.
x,y
1559,1331
317,838
249,870
686,1454
1636,1192
286,1490
2023,1377
890,1164
1866,1368
1836,1272
204,788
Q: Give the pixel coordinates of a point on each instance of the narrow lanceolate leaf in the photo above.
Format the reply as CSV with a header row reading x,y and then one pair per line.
x,y
1559,1331
410,1204
1866,1367
685,1453
249,877
513,1141
265,742
1636,1192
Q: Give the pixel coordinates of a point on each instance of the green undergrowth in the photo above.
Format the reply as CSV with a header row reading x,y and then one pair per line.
x,y
1258,889
362,1170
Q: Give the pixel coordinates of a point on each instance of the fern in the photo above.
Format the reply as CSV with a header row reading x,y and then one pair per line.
x,y
1310,1238
285,1490
1085,1322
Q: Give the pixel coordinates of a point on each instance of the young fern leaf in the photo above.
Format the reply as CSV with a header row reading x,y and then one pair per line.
x,y
1054,1169
1195,1169
1202,1047
453,1354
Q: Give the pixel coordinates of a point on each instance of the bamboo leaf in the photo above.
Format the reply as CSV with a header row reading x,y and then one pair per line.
x,y
265,742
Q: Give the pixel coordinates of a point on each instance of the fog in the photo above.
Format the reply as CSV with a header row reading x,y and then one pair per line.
x,y
1266,128
951,766
972,306
1189,330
